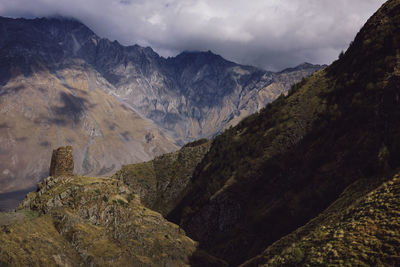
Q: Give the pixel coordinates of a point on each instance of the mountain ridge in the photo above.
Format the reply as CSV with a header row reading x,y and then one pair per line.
x,y
117,63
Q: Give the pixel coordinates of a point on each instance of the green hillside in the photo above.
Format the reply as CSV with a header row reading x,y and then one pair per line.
x,y
160,183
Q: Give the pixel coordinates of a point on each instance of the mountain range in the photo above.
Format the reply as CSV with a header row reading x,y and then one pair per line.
x,y
61,84
311,179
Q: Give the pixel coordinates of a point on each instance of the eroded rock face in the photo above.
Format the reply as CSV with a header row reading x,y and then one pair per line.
x,y
62,162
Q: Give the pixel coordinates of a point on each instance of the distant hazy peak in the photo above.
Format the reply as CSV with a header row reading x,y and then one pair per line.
x,y
303,66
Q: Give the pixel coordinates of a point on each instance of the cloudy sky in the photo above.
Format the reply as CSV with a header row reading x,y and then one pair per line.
x,y
272,34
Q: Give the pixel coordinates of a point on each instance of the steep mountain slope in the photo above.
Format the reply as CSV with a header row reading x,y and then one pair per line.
x,y
361,228
69,106
281,167
161,183
196,94
62,84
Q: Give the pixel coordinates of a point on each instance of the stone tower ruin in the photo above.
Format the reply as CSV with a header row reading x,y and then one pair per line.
x,y
62,162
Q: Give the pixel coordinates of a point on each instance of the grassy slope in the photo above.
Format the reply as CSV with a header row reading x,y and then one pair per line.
x,y
280,168
361,228
89,221
161,182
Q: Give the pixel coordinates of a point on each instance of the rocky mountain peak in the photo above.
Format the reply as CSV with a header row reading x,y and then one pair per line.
x,y
199,58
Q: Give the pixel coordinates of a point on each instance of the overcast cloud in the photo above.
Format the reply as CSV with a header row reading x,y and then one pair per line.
x,y
272,34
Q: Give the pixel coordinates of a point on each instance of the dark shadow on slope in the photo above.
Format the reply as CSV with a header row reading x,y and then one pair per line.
x,y
45,144
126,135
72,106
201,258
11,90
69,113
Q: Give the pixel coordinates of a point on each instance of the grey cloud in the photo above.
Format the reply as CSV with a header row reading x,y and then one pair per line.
x,y
272,34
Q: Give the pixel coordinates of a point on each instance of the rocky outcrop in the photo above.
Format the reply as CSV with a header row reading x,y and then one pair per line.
x,y
99,221
62,162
